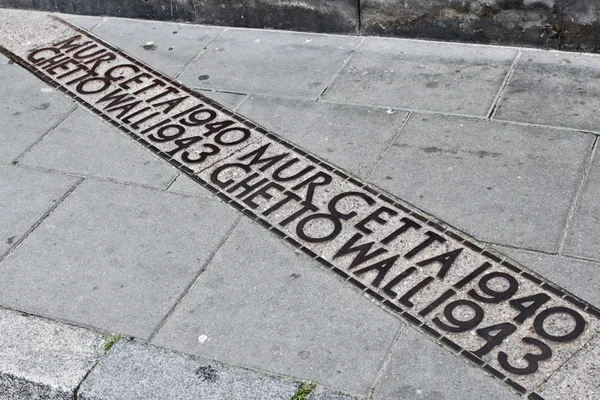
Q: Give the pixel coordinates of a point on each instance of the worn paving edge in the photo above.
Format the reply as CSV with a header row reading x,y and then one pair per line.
x,y
49,360
515,325
43,359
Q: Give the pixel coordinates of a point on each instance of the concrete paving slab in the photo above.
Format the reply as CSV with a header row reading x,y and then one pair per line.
x,y
582,278
42,359
184,184
133,370
229,100
502,183
280,313
82,21
351,137
445,77
272,63
554,88
25,197
420,369
85,145
167,47
110,260
3,60
30,108
583,237
567,383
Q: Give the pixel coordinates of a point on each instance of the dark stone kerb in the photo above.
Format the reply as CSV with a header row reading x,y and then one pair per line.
x,y
559,24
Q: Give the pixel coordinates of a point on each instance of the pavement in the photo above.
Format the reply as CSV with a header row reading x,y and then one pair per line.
x,y
472,169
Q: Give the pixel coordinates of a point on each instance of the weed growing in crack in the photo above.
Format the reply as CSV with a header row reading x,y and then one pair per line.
x,y
110,342
304,390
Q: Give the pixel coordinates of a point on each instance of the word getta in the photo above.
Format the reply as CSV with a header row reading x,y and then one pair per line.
x,y
516,326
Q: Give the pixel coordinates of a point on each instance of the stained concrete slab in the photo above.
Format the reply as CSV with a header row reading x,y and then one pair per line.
x,y
43,359
83,144
581,278
554,88
229,100
501,183
82,21
583,238
578,379
25,197
167,47
444,77
260,304
109,257
421,369
271,63
134,370
349,136
31,108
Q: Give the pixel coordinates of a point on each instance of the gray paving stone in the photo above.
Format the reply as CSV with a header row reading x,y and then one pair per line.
x,y
444,77
42,359
229,100
349,136
167,47
186,185
133,370
554,88
501,183
115,257
3,60
260,304
28,109
83,144
420,369
273,63
328,394
583,238
581,278
82,21
25,196
578,379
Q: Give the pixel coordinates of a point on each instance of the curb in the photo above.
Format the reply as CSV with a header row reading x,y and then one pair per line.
x,y
50,360
557,24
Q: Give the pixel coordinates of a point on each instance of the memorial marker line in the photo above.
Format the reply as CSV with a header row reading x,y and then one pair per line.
x,y
473,301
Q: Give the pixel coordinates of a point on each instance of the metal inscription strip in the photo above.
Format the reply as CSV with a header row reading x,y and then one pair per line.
x,y
516,326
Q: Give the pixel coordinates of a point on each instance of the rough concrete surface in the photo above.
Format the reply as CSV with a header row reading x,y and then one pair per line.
x,y
42,359
136,371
